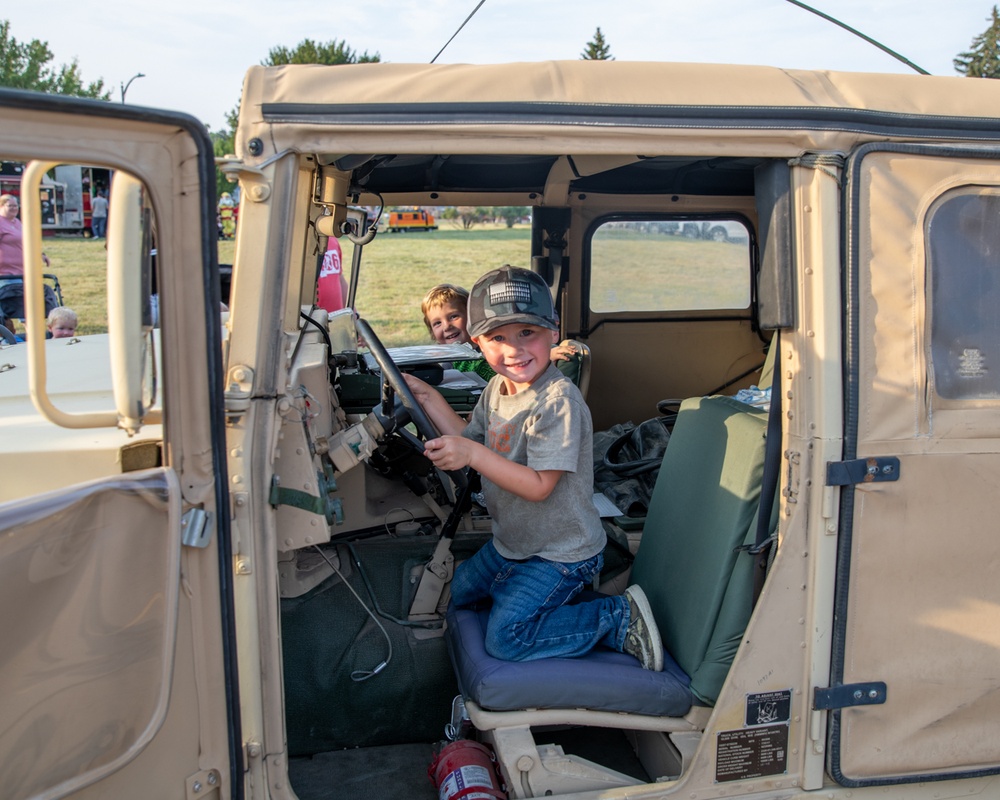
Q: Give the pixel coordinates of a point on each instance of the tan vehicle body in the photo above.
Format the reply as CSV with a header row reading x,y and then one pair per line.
x,y
159,640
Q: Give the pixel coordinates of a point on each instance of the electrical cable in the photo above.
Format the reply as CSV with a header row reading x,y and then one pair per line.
x,y
359,675
406,623
439,52
858,33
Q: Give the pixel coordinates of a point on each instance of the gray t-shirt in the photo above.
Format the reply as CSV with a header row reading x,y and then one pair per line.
x,y
546,427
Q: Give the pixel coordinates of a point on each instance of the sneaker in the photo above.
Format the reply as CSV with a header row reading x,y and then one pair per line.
x,y
642,639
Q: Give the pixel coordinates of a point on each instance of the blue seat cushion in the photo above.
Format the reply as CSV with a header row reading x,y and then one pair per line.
x,y
602,680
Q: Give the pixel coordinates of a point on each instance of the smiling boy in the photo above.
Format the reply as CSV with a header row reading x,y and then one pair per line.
x,y
444,313
530,438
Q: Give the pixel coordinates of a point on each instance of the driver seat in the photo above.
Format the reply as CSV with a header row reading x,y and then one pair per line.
x,y
699,582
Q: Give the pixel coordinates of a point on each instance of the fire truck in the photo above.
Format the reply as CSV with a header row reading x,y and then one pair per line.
x,y
64,195
51,194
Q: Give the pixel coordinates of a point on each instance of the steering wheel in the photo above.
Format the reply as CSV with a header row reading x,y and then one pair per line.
x,y
393,378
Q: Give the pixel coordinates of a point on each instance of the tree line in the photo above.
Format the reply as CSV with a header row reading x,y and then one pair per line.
x,y
29,65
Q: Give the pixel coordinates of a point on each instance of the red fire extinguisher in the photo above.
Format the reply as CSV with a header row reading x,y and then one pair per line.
x,y
465,770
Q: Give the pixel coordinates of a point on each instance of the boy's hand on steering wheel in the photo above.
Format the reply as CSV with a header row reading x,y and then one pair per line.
x,y
449,452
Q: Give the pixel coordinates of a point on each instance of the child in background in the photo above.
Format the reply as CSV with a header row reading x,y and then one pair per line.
x,y
61,323
444,309
530,437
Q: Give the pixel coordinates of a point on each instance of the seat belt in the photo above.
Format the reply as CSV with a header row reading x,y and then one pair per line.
x,y
764,539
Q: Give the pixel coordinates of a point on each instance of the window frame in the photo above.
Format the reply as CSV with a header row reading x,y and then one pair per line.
x,y
592,319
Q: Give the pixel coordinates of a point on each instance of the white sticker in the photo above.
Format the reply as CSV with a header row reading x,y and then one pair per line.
x,y
972,363
464,778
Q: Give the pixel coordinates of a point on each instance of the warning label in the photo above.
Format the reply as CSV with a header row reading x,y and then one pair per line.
x,y
767,708
751,753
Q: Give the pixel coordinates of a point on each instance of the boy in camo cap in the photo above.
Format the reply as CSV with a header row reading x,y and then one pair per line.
x,y
530,438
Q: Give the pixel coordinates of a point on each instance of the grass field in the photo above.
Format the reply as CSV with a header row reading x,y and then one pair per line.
x,y
81,267
398,270
662,273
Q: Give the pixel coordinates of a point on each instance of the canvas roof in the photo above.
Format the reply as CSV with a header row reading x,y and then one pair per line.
x,y
601,107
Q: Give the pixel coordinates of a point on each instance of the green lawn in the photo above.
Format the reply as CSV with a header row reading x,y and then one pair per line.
x,y
399,268
81,267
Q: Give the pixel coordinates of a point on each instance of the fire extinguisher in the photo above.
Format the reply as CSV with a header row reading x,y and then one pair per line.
x,y
466,770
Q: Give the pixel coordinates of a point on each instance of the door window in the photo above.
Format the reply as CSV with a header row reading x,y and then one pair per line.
x,y
963,245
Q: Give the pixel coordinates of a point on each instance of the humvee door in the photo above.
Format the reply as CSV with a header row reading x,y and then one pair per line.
x,y
114,545
915,655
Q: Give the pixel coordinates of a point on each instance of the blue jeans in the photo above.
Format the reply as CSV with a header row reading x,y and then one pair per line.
x,y
99,225
532,616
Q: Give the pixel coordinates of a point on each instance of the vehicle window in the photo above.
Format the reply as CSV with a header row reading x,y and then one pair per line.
x,y
401,265
963,245
670,265
96,255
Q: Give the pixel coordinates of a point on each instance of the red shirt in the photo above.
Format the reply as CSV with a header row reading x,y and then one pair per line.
x,y
330,286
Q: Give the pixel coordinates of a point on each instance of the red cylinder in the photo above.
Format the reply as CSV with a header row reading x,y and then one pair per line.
x,y
465,770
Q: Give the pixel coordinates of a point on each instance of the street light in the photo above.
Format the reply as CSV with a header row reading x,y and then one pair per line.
x,y
126,85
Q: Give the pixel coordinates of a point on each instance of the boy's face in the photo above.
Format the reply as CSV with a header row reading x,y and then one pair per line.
x,y
62,329
518,352
447,324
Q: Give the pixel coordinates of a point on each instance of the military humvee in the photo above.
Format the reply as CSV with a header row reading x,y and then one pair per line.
x,y
221,551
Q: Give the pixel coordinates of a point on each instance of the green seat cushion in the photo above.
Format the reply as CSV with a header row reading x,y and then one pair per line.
x,y
689,564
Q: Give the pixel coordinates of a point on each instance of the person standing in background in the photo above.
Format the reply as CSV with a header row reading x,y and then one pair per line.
x,y
11,248
331,287
11,251
99,215
12,262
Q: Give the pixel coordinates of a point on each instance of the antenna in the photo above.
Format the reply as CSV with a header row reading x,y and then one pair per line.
x,y
439,52
868,39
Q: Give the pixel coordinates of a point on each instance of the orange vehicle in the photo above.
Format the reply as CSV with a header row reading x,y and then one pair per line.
x,y
411,220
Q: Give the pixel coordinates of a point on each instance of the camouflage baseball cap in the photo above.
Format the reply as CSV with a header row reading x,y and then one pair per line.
x,y
510,294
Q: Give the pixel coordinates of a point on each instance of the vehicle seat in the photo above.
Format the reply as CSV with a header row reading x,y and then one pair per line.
x,y
699,584
577,368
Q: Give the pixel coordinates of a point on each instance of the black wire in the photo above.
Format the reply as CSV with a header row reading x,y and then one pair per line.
x,y
868,39
320,328
459,29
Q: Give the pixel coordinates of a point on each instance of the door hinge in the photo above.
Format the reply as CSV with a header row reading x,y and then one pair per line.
x,y
195,530
239,389
203,785
872,693
876,469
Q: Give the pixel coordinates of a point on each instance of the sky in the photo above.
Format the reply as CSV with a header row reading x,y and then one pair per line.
x,y
194,54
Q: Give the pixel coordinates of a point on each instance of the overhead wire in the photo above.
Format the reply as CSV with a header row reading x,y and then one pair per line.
x,y
856,32
439,52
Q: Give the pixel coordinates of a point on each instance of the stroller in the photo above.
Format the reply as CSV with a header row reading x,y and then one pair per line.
x,y
12,295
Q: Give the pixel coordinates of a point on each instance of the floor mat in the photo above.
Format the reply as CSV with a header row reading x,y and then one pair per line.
x,y
328,638
397,772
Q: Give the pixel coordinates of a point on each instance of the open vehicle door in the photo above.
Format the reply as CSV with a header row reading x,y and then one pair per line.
x,y
117,666
915,651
